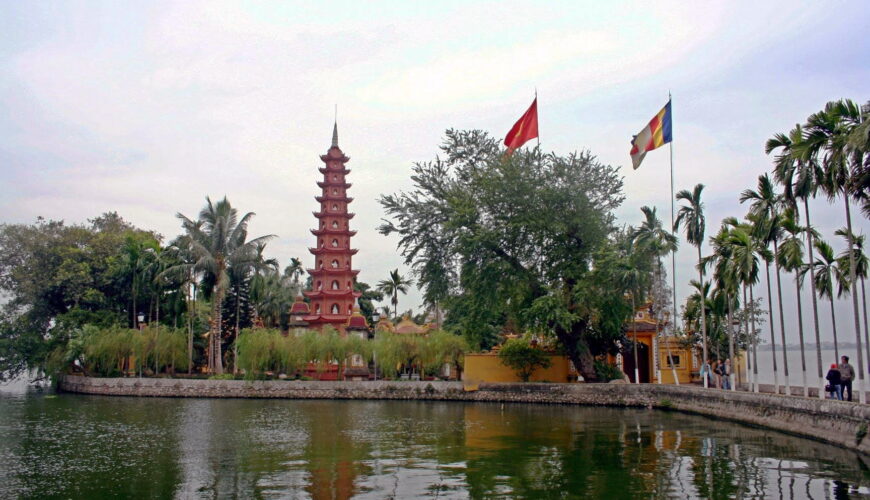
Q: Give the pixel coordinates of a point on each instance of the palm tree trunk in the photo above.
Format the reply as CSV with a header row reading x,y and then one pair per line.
x,y
135,316
749,379
821,379
866,334
703,319
800,312
236,340
188,300
216,361
852,271
731,346
751,311
834,327
781,318
772,333
634,323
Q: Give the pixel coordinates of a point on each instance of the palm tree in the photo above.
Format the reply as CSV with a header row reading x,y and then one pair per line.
x,y
634,280
294,270
861,269
764,230
135,261
240,272
392,286
828,133
186,274
652,238
745,252
216,242
800,178
829,275
726,283
691,216
767,205
790,258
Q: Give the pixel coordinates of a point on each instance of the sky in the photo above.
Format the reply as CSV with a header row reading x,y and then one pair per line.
x,y
146,108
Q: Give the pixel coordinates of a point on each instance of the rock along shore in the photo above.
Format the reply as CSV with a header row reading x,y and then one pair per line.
x,y
841,423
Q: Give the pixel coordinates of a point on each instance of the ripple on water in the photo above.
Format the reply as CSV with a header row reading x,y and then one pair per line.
x,y
92,447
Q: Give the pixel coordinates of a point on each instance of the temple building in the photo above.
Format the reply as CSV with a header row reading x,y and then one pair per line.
x,y
332,297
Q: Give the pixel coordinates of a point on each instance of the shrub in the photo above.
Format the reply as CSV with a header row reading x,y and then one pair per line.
x,y
523,358
606,371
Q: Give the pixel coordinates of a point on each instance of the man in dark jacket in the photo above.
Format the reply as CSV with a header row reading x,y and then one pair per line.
x,y
847,375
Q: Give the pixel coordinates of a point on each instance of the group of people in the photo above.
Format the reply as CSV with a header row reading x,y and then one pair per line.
x,y
719,375
840,379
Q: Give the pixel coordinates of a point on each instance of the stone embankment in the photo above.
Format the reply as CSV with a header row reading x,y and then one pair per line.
x,y
841,423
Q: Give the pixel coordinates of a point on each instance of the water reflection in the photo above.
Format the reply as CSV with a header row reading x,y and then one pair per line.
x,y
91,447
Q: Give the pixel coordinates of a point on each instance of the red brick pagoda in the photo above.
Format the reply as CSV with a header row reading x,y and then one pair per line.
x,y
332,296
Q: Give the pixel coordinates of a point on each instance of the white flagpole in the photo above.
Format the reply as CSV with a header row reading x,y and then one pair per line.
x,y
673,252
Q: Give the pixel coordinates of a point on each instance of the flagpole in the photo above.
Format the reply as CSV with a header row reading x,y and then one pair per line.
x,y
539,121
673,233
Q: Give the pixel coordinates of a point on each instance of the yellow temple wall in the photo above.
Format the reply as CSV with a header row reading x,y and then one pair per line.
x,y
487,367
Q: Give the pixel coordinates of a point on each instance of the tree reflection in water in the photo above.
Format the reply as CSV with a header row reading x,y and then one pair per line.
x,y
105,447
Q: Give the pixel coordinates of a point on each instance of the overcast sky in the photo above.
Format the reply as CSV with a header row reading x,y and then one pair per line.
x,y
146,107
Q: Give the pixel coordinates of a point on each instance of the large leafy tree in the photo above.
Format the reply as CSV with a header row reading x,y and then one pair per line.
x,y
515,240
56,277
219,240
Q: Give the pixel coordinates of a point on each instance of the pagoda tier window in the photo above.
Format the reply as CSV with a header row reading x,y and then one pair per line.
x,y
335,224
334,243
321,242
348,285
335,191
335,177
335,285
317,308
335,309
335,207
350,309
334,264
320,264
319,285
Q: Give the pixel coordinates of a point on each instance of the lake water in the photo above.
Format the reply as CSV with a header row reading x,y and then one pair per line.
x,y
765,364
74,446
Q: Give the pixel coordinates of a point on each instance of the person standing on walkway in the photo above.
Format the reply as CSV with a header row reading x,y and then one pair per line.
x,y
725,372
847,375
834,386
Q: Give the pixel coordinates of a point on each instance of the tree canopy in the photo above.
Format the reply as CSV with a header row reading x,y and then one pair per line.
x,y
515,241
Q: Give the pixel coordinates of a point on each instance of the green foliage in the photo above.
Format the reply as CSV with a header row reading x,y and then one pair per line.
x,y
222,376
607,371
523,358
511,240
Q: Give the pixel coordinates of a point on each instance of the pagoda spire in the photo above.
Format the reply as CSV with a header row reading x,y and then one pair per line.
x,y
335,133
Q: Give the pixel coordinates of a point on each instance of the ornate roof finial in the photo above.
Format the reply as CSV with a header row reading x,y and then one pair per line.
x,y
335,129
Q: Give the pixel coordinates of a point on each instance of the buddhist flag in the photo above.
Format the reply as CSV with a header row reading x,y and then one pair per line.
x,y
657,133
525,129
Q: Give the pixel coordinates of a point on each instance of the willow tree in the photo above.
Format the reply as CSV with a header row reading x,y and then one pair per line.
x,y
519,240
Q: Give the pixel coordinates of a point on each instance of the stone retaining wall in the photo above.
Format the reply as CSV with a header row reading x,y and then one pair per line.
x,y
837,422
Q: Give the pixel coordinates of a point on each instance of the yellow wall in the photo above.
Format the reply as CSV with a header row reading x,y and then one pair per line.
x,y
489,368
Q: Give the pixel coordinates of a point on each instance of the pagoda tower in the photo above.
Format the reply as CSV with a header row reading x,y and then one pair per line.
x,y
332,296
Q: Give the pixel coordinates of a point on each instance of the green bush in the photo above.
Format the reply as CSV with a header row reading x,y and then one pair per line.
x,y
606,371
520,355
